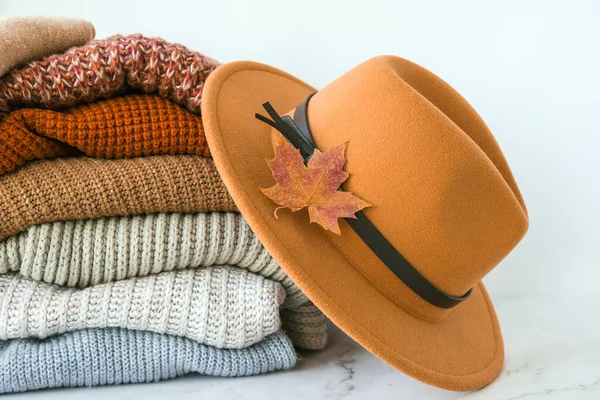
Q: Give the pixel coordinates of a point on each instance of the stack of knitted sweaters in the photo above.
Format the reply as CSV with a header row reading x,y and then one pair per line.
x,y
122,256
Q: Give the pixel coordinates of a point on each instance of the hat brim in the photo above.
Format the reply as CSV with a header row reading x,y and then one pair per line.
x,y
462,352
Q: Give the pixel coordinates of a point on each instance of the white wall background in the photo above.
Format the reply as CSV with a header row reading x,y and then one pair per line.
x,y
531,68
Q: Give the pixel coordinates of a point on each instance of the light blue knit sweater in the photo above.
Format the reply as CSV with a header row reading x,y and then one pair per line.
x,y
95,357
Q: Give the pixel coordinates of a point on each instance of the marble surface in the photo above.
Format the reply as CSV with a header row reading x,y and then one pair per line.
x,y
552,352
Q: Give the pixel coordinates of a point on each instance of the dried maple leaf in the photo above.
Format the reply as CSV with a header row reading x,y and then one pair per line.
x,y
315,185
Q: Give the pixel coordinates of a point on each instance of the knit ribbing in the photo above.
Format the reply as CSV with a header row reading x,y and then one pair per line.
x,y
223,307
95,357
122,127
82,188
23,39
112,65
91,252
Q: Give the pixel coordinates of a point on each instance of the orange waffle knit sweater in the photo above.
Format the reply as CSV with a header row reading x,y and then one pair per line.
x,y
121,127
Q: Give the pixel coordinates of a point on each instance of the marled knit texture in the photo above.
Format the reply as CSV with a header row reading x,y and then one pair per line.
x,y
223,307
95,357
23,39
91,252
82,188
103,68
305,325
122,127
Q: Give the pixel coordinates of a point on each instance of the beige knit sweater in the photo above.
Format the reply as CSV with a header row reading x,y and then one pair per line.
x,y
91,252
24,39
223,307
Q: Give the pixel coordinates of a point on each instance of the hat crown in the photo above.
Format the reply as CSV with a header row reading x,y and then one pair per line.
x,y
442,191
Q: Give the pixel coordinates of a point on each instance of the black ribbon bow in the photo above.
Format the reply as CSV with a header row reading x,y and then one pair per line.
x,y
289,130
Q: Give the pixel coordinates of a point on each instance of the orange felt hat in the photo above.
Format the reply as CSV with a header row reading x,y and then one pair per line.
x,y
404,279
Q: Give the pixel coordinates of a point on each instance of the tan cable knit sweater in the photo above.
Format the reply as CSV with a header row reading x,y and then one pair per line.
x,y
223,307
80,188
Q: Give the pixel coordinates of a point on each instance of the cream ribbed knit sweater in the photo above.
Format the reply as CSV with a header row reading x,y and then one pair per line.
x,y
223,307
91,252
86,253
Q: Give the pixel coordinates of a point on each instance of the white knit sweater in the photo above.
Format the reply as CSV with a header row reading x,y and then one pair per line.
x,y
223,307
91,252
